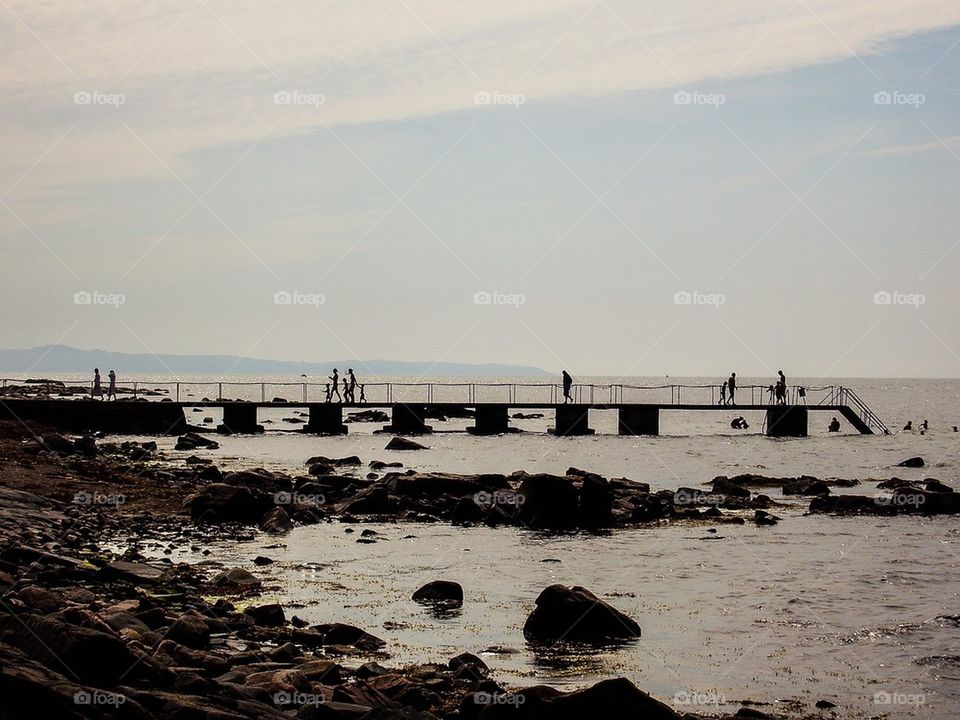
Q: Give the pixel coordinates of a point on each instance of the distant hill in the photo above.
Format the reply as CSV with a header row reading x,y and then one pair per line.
x,y
62,358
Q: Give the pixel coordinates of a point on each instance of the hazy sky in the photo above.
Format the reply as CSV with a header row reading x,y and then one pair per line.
x,y
608,186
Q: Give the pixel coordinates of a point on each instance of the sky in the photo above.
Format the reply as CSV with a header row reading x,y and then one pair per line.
x,y
611,187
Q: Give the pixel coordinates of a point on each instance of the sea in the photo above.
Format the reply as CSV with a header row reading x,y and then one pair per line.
x,y
860,611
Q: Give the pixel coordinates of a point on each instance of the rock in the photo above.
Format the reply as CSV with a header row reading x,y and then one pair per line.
x,y
381,465
267,615
442,592
577,615
276,521
402,443
596,502
220,502
825,704
261,560
466,511
933,485
135,573
914,462
469,666
54,442
333,462
762,517
548,501
725,486
235,580
192,441
190,630
806,486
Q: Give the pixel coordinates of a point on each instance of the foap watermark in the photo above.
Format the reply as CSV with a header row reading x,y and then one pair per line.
x,y
295,498
297,97
901,499
84,297
486,698
286,297
94,97
482,97
97,697
696,497
896,97
297,698
499,497
483,297
895,297
899,698
94,498
714,300
692,697
695,97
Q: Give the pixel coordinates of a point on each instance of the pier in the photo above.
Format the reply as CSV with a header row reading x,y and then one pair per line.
x,y
158,408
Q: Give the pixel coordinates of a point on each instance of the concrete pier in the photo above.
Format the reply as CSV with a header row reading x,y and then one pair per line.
x,y
240,418
572,420
787,421
408,420
638,420
490,420
326,419
124,416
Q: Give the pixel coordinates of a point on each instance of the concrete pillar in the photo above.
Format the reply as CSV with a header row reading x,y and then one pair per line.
x,y
325,419
408,420
787,421
635,420
572,420
490,420
240,417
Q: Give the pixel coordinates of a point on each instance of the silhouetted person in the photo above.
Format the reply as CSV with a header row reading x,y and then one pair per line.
x,y
346,389
326,389
335,380
363,397
770,392
97,389
352,392
802,394
955,429
834,426
908,427
739,423
567,384
925,425
732,388
781,388
723,394
112,387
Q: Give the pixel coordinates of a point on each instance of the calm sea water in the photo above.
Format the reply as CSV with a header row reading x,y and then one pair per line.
x,y
849,609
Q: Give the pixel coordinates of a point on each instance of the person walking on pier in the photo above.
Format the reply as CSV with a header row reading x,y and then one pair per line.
x,y
335,380
732,388
781,388
363,397
567,384
723,394
112,387
352,391
97,388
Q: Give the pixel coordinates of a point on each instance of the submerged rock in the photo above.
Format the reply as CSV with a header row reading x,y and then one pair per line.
x,y
440,592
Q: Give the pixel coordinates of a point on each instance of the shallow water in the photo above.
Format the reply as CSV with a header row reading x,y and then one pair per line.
x,y
815,607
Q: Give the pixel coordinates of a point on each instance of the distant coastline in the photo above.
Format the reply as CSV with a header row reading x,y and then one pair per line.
x,y
63,358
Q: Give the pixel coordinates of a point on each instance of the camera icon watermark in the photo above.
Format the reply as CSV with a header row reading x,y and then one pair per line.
x,y
295,498
896,97
297,698
696,498
94,97
84,297
899,698
895,297
486,698
686,97
901,499
499,497
97,697
286,297
692,697
484,297
87,498
483,97
684,297
296,97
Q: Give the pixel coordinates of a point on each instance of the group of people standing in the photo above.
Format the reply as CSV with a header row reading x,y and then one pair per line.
x,y
350,386
776,394
98,386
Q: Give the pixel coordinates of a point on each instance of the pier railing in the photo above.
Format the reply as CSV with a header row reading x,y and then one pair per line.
x,y
467,393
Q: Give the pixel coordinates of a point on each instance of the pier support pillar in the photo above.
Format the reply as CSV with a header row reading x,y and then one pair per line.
x,y
239,417
408,420
325,419
572,420
639,420
490,420
787,421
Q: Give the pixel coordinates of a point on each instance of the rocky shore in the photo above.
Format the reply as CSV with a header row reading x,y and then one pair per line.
x,y
90,633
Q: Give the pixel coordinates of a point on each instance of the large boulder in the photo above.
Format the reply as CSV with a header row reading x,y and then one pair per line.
x,y
575,614
596,502
220,502
402,443
914,462
276,521
443,592
548,501
193,441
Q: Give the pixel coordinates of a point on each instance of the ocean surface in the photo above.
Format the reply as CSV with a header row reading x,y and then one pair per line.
x,y
861,611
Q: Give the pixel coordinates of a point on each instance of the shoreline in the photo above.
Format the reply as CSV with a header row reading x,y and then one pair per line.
x,y
53,542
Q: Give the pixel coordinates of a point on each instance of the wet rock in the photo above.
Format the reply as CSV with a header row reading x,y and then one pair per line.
x,y
222,502
276,521
577,615
440,592
596,502
381,465
466,511
762,517
333,462
933,485
55,442
548,501
192,441
235,580
806,486
402,443
190,630
261,560
267,615
725,486
374,500
914,462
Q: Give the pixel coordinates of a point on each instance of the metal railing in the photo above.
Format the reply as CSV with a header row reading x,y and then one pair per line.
x,y
845,396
